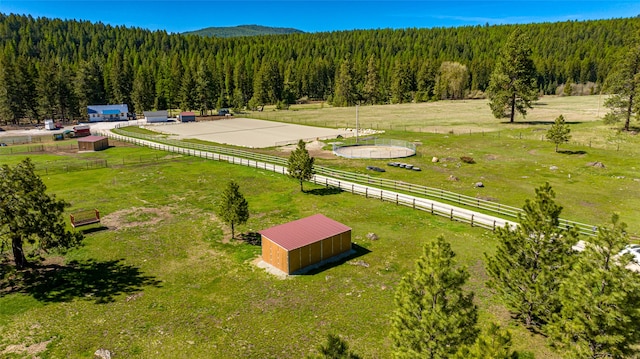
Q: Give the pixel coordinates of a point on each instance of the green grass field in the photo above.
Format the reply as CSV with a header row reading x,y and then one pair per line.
x,y
163,280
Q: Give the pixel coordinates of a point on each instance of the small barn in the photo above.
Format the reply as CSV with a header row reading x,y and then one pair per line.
x,y
187,117
93,143
156,116
295,245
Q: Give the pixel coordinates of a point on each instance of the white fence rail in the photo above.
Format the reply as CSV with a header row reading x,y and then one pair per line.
x,y
338,178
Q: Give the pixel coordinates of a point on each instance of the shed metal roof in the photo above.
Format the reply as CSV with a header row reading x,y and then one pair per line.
x,y
91,139
305,231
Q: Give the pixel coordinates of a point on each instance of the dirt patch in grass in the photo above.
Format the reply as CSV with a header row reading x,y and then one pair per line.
x,y
314,148
31,350
136,217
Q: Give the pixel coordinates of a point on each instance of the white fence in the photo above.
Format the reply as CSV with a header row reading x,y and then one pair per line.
x,y
399,192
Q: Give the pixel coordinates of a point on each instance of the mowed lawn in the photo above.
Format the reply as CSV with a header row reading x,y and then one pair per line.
x,y
163,280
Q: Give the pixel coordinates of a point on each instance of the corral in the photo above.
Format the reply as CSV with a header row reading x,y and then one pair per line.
x,y
249,133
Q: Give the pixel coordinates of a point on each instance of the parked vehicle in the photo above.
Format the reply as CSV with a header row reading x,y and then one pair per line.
x,y
633,249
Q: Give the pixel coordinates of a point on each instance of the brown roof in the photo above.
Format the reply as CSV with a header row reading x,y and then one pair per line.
x,y
305,231
91,139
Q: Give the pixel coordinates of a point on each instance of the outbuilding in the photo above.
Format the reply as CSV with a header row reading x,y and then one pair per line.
x,y
156,116
187,117
296,245
93,143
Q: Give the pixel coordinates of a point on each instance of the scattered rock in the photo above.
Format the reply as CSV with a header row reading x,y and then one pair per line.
x,y
553,168
190,342
636,179
360,263
435,160
328,277
478,185
453,178
134,296
372,236
596,164
102,354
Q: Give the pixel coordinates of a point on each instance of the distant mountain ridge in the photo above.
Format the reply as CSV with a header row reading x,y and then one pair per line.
x,y
242,30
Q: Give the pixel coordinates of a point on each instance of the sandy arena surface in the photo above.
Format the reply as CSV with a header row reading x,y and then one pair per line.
x,y
247,132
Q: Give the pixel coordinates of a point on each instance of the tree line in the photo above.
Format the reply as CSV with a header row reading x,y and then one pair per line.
x,y
52,68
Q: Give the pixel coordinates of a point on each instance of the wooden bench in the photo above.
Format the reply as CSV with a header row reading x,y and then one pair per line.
x,y
84,218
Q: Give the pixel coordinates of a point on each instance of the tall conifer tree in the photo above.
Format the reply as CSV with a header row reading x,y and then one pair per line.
x,y
512,86
599,297
434,316
532,259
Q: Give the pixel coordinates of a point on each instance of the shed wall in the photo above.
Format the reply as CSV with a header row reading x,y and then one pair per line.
x,y
274,255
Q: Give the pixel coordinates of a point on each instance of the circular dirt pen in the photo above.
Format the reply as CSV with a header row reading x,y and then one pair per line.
x,y
376,149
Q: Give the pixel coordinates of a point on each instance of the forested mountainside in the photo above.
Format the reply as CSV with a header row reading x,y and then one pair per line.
x,y
242,30
53,68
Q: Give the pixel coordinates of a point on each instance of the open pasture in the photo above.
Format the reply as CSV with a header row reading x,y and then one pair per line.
x,y
246,132
164,280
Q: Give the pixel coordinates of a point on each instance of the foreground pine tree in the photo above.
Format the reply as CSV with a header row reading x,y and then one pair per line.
x,y
493,343
434,317
599,297
531,260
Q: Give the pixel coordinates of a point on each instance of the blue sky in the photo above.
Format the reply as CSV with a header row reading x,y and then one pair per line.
x,y
321,15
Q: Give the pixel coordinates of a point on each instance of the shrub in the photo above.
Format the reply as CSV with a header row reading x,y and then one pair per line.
x,y
467,159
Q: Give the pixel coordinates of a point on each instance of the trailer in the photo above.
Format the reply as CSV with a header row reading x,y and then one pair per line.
x,y
49,125
82,130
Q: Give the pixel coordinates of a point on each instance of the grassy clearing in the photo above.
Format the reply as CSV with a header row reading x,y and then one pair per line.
x,y
162,281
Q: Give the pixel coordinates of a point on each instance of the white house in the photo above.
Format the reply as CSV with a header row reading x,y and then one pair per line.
x,y
100,113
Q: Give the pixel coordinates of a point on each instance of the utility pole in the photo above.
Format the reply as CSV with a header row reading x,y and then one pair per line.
x,y
357,106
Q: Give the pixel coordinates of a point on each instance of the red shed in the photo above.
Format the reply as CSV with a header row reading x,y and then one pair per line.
x,y
93,143
295,245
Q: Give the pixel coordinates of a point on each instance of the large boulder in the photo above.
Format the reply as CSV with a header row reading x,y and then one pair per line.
x,y
478,185
435,160
102,354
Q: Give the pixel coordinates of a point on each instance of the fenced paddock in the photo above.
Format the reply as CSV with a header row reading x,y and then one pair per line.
x,y
375,148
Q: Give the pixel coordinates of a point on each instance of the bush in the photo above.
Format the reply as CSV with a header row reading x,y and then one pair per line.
x,y
466,159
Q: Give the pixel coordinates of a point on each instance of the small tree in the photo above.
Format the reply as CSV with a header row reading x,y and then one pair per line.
x,y
434,317
494,343
232,207
335,348
28,213
559,132
531,260
300,164
599,316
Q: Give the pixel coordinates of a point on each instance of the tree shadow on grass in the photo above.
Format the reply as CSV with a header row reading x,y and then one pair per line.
x,y
569,152
252,238
357,251
92,280
325,191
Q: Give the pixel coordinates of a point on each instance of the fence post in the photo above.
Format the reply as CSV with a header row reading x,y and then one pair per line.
x,y
396,199
414,203
366,192
431,207
472,220
381,197
452,214
494,225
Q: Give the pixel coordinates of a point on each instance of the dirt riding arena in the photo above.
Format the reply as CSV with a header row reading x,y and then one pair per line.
x,y
247,132
373,152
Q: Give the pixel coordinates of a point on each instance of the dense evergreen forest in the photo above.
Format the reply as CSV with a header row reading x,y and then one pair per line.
x,y
50,68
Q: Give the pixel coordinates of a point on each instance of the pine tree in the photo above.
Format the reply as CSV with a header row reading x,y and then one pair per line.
x,y
300,164
232,207
144,89
344,92
512,86
334,348
559,132
372,83
624,85
28,214
402,82
531,260
434,317
493,343
599,297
